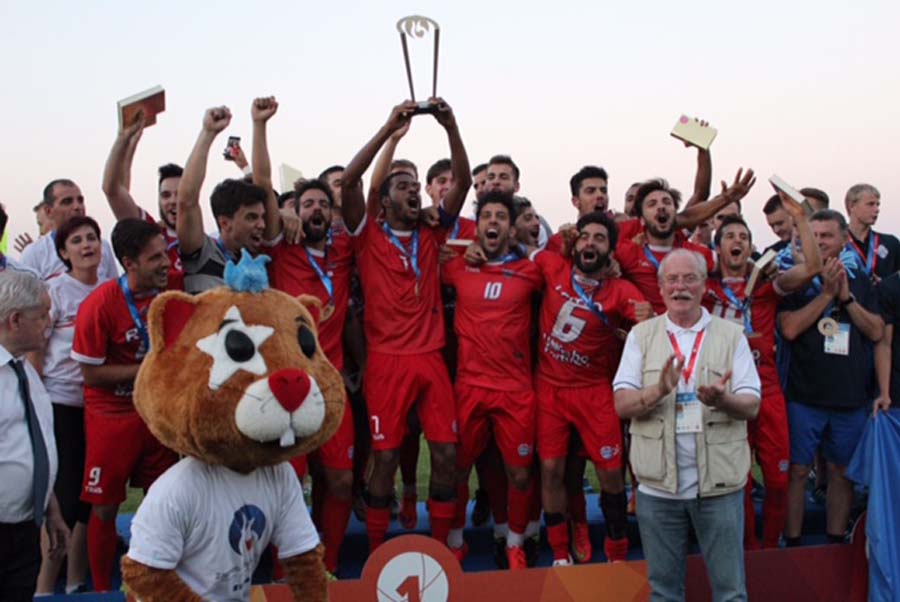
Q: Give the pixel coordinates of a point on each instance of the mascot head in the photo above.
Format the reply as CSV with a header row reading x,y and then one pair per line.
x,y
236,376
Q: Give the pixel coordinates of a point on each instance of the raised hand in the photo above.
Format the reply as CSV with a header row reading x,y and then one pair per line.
x,y
794,209
263,108
742,184
669,375
443,113
397,135
216,119
135,128
713,395
831,276
400,116
703,124
21,241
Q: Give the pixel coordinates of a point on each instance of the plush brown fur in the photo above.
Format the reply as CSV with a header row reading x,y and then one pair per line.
x,y
173,397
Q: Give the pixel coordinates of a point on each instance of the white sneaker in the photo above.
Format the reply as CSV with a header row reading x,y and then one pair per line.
x,y
563,561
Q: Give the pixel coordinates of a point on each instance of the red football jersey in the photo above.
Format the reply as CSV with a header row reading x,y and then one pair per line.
x,y
554,243
404,314
642,271
763,310
493,321
176,272
290,271
629,228
577,348
105,334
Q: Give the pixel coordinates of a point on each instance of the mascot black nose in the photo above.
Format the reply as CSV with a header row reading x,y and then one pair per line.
x,y
290,387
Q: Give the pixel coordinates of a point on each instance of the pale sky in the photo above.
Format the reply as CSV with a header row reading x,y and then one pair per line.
x,y
809,90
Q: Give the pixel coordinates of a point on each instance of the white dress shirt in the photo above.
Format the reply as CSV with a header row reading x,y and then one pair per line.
x,y
16,455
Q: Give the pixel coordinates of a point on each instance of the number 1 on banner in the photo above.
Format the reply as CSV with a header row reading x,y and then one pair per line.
x,y
410,588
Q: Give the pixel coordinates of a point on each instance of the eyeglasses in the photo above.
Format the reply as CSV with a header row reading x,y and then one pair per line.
x,y
688,279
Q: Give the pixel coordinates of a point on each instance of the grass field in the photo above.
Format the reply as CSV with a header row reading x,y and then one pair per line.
x,y
424,469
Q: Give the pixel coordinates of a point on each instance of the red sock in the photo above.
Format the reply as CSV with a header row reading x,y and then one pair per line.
x,y
558,538
335,514
519,507
774,514
102,542
462,501
496,487
441,516
577,504
377,521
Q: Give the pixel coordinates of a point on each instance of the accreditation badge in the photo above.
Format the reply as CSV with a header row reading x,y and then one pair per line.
x,y
688,414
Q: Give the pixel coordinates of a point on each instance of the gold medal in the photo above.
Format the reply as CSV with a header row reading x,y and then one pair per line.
x,y
327,311
828,327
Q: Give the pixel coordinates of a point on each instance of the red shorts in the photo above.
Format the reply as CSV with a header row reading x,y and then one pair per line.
x,y
508,415
769,435
337,452
590,410
120,450
395,384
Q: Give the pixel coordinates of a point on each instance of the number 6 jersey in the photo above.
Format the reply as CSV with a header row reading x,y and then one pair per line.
x,y
578,346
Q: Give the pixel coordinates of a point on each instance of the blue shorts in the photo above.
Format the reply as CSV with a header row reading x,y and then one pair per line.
x,y
838,431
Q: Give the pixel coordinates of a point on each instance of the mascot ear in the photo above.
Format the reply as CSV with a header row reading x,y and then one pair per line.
x,y
313,305
168,316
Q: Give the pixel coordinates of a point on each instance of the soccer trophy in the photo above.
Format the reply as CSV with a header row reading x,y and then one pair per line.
x,y
418,26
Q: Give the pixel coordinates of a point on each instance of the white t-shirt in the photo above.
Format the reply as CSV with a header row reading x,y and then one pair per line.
x,y
211,525
744,379
41,257
62,374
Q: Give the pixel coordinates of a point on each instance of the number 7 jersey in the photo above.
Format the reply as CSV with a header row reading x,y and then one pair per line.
x,y
577,348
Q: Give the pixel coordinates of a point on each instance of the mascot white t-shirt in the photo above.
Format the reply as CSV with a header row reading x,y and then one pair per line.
x,y
221,520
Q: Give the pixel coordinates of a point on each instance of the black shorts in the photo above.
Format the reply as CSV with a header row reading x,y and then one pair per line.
x,y
68,427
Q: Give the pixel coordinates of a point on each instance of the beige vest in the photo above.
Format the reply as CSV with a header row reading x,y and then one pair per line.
x,y
723,455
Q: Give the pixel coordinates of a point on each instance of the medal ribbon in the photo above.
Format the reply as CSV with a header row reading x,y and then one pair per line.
x,y
589,301
689,368
133,310
870,257
744,307
414,257
651,257
455,231
323,277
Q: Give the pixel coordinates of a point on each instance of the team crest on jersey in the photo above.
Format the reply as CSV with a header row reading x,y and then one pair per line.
x,y
608,452
524,449
882,251
783,466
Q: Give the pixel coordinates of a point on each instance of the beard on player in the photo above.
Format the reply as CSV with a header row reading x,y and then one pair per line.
x,y
590,260
661,224
316,226
494,240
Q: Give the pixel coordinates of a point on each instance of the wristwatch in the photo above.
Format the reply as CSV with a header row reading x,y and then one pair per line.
x,y
850,301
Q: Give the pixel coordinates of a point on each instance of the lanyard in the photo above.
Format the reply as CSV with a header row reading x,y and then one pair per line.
x,y
135,314
326,280
508,258
651,257
172,245
744,307
870,257
414,257
225,252
689,369
595,309
455,232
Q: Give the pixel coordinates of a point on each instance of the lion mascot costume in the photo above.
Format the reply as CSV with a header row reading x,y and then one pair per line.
x,y
237,383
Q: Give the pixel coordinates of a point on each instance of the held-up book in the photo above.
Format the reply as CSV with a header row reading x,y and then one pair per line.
x,y
152,102
787,189
690,131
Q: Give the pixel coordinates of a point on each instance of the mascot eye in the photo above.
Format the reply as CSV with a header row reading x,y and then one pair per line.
x,y
307,341
239,346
